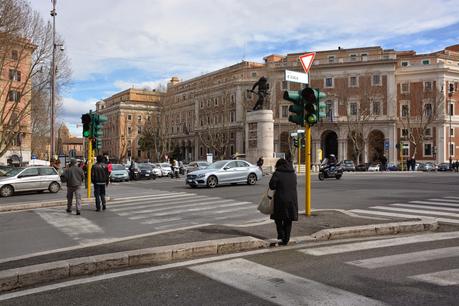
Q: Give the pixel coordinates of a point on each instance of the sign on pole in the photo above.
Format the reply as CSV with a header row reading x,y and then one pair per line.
x,y
306,60
297,77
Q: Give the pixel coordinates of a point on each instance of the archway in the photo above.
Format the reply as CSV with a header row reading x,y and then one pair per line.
x,y
375,146
329,143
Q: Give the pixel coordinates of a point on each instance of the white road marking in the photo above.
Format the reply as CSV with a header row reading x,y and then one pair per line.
x,y
121,203
352,247
383,213
445,200
276,286
441,278
452,198
422,212
406,258
169,202
435,203
181,211
426,207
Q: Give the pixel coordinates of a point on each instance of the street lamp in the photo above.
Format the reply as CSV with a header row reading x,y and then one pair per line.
x,y
450,110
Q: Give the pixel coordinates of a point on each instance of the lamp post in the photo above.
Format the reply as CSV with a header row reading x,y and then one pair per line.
x,y
53,81
450,110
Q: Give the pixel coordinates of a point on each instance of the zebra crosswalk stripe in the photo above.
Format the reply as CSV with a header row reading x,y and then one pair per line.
x,y
434,203
277,286
375,244
425,207
440,278
399,215
417,211
406,258
168,203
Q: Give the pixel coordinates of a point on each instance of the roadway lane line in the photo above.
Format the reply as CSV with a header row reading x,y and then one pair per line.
x,y
139,197
352,247
277,286
444,200
388,214
426,207
166,196
180,211
422,212
434,203
441,278
406,258
161,203
156,221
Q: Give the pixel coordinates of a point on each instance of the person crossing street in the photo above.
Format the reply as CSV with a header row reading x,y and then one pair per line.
x,y
74,177
100,179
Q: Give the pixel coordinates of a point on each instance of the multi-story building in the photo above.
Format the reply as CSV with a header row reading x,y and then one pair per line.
x,y
68,145
15,100
129,113
367,117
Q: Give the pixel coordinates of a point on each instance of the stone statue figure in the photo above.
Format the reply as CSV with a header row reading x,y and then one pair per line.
x,y
262,92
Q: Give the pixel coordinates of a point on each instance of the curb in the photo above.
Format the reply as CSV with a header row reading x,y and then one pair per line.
x,y
43,204
30,275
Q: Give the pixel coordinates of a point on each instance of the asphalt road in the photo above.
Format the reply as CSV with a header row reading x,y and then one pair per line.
x,y
420,269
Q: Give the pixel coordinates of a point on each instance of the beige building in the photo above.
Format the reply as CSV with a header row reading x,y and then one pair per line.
x,y
68,145
15,100
129,113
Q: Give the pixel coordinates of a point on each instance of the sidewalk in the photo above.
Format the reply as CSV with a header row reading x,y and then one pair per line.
x,y
160,248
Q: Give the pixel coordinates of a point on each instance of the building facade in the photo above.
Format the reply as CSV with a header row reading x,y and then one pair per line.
x,y
129,113
67,145
15,100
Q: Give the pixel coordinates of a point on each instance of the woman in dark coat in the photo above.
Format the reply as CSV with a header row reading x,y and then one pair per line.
x,y
285,211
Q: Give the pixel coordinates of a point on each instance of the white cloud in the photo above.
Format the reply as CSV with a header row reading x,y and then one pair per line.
x,y
72,109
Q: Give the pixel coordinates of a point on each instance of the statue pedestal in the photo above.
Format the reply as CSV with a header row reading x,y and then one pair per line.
x,y
259,137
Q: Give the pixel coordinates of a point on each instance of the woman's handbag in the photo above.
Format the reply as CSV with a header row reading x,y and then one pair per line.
x,y
266,205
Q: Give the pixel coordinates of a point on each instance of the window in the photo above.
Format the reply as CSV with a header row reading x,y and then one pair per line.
x,y
232,164
364,57
329,110
428,86
254,74
404,132
15,75
129,117
139,118
451,149
405,110
428,132
451,109
428,149
201,104
215,102
285,85
284,111
232,116
129,143
139,130
47,171
353,57
353,81
30,172
376,80
405,88
376,108
139,153
328,82
149,118
426,62
14,96
14,55
331,59
405,64
129,130
451,132
353,109
428,109
405,149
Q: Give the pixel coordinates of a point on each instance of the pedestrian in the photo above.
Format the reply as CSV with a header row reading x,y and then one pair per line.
x,y
457,165
260,162
109,168
176,168
74,177
283,182
99,177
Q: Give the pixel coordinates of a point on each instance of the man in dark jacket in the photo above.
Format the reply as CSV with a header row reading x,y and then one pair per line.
x,y
100,179
74,176
285,211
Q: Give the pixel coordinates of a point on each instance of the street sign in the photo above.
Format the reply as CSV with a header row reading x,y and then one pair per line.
x,y
306,60
297,77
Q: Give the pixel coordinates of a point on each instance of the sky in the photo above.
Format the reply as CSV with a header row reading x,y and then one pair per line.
x,y
117,44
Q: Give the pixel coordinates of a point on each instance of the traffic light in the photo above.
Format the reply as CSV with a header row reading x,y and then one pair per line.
x,y
97,124
295,142
314,109
86,121
297,108
303,143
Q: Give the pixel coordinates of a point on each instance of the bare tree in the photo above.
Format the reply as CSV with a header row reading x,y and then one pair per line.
x,y
25,53
425,104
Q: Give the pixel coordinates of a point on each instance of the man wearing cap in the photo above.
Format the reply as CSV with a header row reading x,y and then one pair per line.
x,y
74,176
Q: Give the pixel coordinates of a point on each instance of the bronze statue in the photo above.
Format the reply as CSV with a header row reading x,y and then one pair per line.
x,y
262,92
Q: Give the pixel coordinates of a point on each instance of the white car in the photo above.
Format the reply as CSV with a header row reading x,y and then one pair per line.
x,y
374,167
156,170
165,168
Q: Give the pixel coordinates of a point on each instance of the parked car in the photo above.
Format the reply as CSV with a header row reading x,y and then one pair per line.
x,y
347,165
374,167
119,173
156,170
196,165
37,178
166,169
225,172
146,171
362,167
444,167
392,167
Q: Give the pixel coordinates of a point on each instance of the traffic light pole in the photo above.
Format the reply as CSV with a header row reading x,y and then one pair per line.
x,y
89,165
307,153
299,155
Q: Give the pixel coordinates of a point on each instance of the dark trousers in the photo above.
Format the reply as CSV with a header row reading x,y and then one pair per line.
x,y
99,194
284,227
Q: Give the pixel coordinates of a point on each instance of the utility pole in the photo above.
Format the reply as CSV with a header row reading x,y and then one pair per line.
x,y
53,84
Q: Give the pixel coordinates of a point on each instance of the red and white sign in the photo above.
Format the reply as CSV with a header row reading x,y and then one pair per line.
x,y
306,60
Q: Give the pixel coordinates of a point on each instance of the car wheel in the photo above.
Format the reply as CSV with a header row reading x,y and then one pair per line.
x,y
54,187
6,191
321,176
251,179
193,186
338,176
212,182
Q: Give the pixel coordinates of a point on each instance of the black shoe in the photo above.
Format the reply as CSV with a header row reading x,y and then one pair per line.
x,y
97,209
68,210
104,207
78,212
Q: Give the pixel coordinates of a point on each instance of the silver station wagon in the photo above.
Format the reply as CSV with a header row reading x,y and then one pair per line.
x,y
37,178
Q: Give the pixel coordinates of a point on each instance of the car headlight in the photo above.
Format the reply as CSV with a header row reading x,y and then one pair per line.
x,y
201,175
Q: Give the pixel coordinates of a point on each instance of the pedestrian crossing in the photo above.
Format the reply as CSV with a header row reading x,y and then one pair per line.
x,y
444,209
166,210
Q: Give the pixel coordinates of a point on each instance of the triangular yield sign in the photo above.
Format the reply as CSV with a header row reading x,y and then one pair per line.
x,y
306,60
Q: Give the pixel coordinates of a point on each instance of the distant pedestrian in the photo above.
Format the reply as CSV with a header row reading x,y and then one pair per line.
x,y
74,177
109,168
283,182
260,163
99,177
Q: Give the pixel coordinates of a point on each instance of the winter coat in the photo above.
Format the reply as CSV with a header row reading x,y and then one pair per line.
x,y
73,176
283,182
99,174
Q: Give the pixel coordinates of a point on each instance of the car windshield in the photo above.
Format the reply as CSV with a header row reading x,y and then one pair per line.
x,y
118,167
203,164
13,171
217,165
144,167
165,165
